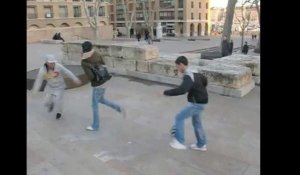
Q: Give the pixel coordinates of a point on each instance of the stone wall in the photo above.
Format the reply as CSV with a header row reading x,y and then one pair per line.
x,y
144,61
68,33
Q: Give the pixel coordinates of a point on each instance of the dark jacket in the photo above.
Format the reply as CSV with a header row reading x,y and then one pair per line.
x,y
193,83
245,49
89,59
225,48
230,47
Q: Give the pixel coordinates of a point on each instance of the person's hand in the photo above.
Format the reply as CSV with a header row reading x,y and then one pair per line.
x,y
78,83
162,93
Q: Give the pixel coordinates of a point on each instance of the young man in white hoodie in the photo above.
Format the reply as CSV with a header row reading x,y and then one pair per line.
x,y
52,71
195,84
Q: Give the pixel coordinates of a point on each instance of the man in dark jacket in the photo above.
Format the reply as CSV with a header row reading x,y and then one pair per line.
x,y
91,58
195,84
245,48
225,47
230,47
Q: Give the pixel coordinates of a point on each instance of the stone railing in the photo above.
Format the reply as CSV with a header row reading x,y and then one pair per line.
x,y
230,76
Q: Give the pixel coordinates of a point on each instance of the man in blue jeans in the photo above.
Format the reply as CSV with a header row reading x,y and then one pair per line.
x,y
91,58
195,84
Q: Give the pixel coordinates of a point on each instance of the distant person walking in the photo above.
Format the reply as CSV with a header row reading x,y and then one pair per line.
x,y
230,47
245,48
225,47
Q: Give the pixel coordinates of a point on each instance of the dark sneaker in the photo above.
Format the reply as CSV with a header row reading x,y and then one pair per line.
x,y
172,131
58,115
51,106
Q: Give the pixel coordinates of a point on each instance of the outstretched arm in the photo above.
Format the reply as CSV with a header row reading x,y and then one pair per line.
x,y
69,73
38,81
185,86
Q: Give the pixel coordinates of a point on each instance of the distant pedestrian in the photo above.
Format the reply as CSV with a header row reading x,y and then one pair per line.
x,y
245,48
225,47
230,47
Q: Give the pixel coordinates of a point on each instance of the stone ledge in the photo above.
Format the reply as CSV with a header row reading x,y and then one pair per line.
x,y
239,92
51,41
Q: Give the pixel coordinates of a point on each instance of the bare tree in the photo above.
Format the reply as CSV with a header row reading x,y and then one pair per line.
x,y
128,23
256,2
93,16
148,13
229,18
244,18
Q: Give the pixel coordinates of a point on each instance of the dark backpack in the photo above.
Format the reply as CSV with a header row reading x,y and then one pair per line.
x,y
100,73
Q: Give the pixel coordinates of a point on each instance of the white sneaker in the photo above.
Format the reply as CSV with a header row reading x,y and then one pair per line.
x,y
123,112
89,128
177,145
195,147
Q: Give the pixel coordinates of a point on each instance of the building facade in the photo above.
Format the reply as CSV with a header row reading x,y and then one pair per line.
x,y
218,16
177,17
62,15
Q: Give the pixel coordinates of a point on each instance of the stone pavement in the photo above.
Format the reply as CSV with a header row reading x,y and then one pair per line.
x,y
138,144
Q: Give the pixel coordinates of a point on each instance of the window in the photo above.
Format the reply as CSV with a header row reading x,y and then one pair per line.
x,y
192,4
139,16
112,17
48,11
200,16
166,15
63,11
180,15
130,8
77,11
138,6
120,24
101,11
206,16
180,3
192,16
120,17
206,5
91,11
199,4
166,4
31,12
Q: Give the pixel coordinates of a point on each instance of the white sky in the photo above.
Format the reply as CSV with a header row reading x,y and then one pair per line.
x,y
219,3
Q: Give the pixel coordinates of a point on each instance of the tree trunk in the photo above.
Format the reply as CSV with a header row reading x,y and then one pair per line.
x,y
128,31
242,42
257,49
229,19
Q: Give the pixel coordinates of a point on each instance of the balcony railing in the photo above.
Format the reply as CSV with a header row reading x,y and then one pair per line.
x,y
48,15
31,16
167,17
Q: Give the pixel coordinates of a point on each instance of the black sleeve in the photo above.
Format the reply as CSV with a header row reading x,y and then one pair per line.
x,y
185,86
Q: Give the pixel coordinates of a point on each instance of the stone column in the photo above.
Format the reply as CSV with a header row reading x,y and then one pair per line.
x,y
158,31
203,29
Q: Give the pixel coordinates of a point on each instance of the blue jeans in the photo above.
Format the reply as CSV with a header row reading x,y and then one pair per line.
x,y
193,110
98,97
